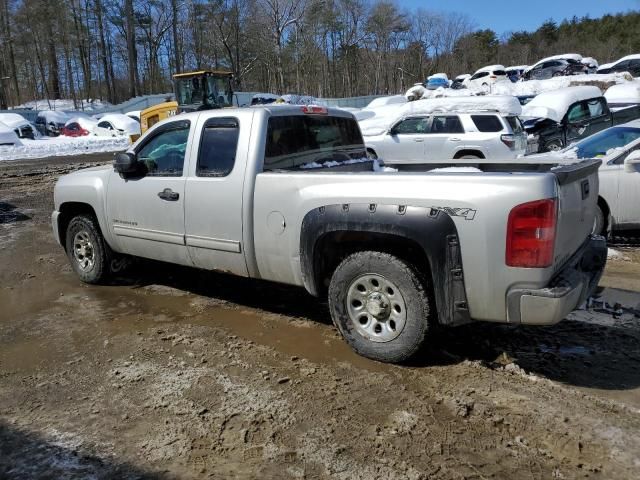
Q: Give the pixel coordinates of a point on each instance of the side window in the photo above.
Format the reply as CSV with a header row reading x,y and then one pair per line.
x,y
479,75
447,124
411,126
596,107
163,154
106,125
218,146
578,112
622,66
487,123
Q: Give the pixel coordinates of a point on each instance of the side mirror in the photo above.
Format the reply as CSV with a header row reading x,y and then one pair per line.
x,y
632,162
393,132
125,163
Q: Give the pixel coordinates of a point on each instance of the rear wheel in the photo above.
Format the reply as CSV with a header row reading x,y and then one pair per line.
x,y
371,154
380,306
469,157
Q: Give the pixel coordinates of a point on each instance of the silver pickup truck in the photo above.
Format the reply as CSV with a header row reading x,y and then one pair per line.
x,y
286,194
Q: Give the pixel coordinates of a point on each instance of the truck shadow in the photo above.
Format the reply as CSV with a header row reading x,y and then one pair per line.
x,y
10,214
26,455
577,351
269,296
590,349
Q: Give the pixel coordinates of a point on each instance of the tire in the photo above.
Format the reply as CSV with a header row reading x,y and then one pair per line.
x,y
371,154
380,306
553,146
87,250
599,222
468,157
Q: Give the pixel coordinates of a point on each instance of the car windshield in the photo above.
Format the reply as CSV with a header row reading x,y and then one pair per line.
x,y
305,141
601,143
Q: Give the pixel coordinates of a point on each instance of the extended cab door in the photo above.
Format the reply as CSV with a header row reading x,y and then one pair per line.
x,y
145,210
214,201
405,142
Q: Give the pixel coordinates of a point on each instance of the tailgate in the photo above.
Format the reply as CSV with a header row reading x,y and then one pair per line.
x,y
577,201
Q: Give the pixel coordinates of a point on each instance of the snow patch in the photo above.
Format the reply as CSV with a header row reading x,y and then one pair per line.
x,y
57,146
554,104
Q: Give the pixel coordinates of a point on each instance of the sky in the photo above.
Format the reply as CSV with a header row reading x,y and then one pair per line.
x,y
514,15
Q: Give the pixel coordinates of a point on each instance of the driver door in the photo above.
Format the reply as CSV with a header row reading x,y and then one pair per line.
x,y
145,211
405,142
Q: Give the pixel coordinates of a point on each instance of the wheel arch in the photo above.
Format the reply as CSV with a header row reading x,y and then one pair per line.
x,y
606,211
424,237
69,210
469,151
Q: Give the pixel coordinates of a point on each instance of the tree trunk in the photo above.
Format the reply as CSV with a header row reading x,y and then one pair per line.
x,y
132,53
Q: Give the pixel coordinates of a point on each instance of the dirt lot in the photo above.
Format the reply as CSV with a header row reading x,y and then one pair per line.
x,y
175,373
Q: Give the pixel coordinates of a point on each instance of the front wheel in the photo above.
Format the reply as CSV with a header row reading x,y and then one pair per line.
x,y
86,249
380,306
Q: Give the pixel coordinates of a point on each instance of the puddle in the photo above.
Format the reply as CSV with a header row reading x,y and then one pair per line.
x,y
566,350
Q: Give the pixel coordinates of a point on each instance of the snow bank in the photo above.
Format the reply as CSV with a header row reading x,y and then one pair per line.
x,y
622,93
57,146
65,104
554,104
535,87
7,136
122,122
384,117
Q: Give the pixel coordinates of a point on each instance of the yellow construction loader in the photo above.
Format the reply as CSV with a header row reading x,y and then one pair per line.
x,y
199,90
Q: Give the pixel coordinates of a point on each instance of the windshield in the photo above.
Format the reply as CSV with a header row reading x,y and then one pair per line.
x,y
601,143
218,92
204,90
302,141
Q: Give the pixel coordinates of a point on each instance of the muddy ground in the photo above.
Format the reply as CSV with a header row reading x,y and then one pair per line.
x,y
175,373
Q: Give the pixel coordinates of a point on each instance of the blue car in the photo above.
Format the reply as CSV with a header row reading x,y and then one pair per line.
x,y
436,82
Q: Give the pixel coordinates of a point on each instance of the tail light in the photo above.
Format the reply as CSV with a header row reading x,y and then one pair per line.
x,y
493,77
531,234
509,140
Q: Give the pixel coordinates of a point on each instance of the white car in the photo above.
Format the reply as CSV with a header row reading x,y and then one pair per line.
x,y
116,124
486,76
8,137
19,124
424,138
619,199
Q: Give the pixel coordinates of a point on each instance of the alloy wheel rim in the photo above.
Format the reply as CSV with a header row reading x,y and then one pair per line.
x,y
83,251
376,308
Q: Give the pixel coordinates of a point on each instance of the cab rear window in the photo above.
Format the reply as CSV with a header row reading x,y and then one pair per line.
x,y
299,140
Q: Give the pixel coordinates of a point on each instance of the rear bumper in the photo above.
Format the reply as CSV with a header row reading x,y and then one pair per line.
x,y
569,288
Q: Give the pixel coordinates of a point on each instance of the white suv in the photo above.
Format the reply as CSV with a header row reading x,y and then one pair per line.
x,y
430,138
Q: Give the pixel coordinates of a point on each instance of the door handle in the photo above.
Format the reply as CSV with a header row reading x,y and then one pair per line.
x,y
454,139
169,195
418,139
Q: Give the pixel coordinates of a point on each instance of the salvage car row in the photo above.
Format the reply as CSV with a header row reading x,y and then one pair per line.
x,y
53,123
